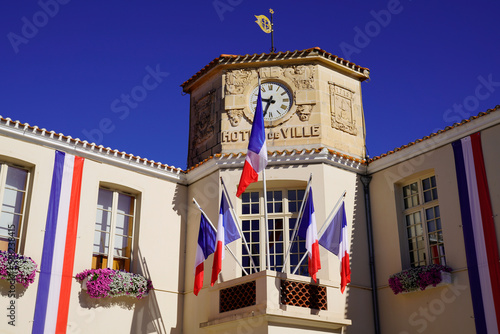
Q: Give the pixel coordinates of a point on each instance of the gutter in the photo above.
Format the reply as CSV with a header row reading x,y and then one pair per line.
x,y
366,187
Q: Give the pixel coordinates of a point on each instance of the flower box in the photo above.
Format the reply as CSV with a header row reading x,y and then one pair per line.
x,y
102,283
419,278
18,268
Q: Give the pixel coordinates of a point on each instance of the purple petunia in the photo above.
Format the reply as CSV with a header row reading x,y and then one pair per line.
x,y
18,268
417,278
107,282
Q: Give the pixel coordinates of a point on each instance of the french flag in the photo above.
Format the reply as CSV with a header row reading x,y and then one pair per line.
x,y
256,159
227,232
206,246
335,239
309,231
56,270
481,246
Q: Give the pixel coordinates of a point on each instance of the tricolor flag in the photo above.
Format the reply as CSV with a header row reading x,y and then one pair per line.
x,y
227,232
335,240
481,246
256,159
309,231
56,270
206,246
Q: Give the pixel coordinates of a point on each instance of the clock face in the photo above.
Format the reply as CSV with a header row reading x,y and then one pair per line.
x,y
276,100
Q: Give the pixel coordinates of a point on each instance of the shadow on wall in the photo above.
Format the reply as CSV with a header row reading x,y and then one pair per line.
x,y
358,301
147,316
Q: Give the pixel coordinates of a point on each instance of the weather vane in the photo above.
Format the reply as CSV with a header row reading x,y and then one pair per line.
x,y
267,26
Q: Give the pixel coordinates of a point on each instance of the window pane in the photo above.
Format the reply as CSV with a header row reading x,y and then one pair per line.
x,y
13,201
434,193
122,246
105,199
429,213
294,200
251,231
16,178
123,225
276,243
426,184
430,190
250,203
125,204
101,242
9,223
274,202
103,221
255,225
410,195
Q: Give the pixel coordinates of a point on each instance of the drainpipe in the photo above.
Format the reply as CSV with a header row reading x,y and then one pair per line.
x,y
366,187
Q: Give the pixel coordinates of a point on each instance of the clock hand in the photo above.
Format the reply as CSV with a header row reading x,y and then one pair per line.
x,y
269,102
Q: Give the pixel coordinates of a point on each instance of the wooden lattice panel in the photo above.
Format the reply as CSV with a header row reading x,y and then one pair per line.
x,y
237,297
303,295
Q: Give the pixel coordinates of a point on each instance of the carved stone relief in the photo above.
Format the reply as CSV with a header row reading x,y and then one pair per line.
x,y
235,116
271,72
237,80
301,75
204,125
304,111
341,109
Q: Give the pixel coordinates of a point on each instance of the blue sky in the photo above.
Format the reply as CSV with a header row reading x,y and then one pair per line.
x,y
66,65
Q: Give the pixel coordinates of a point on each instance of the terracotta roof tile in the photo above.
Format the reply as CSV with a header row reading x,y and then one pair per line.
x,y
228,58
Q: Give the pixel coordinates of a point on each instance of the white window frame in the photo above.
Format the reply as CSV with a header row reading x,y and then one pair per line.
x,y
420,208
112,232
286,216
19,245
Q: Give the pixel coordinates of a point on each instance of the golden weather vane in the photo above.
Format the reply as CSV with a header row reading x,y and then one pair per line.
x,y
267,26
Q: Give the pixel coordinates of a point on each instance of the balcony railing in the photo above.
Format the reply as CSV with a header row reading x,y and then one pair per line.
x,y
270,299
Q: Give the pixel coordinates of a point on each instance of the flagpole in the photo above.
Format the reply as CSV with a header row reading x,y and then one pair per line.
x,y
213,227
266,221
238,224
273,49
297,224
325,225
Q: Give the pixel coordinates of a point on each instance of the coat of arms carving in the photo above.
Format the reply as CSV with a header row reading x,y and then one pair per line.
x,y
341,109
237,80
301,75
204,125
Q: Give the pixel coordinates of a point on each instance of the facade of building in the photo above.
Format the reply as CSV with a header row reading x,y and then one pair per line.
x,y
139,216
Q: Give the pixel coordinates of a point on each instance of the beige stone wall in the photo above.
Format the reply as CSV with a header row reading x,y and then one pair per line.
x,y
206,105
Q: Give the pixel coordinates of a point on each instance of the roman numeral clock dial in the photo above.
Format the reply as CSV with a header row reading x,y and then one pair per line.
x,y
276,100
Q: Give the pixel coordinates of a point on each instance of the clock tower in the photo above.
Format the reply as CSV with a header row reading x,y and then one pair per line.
x,y
311,100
